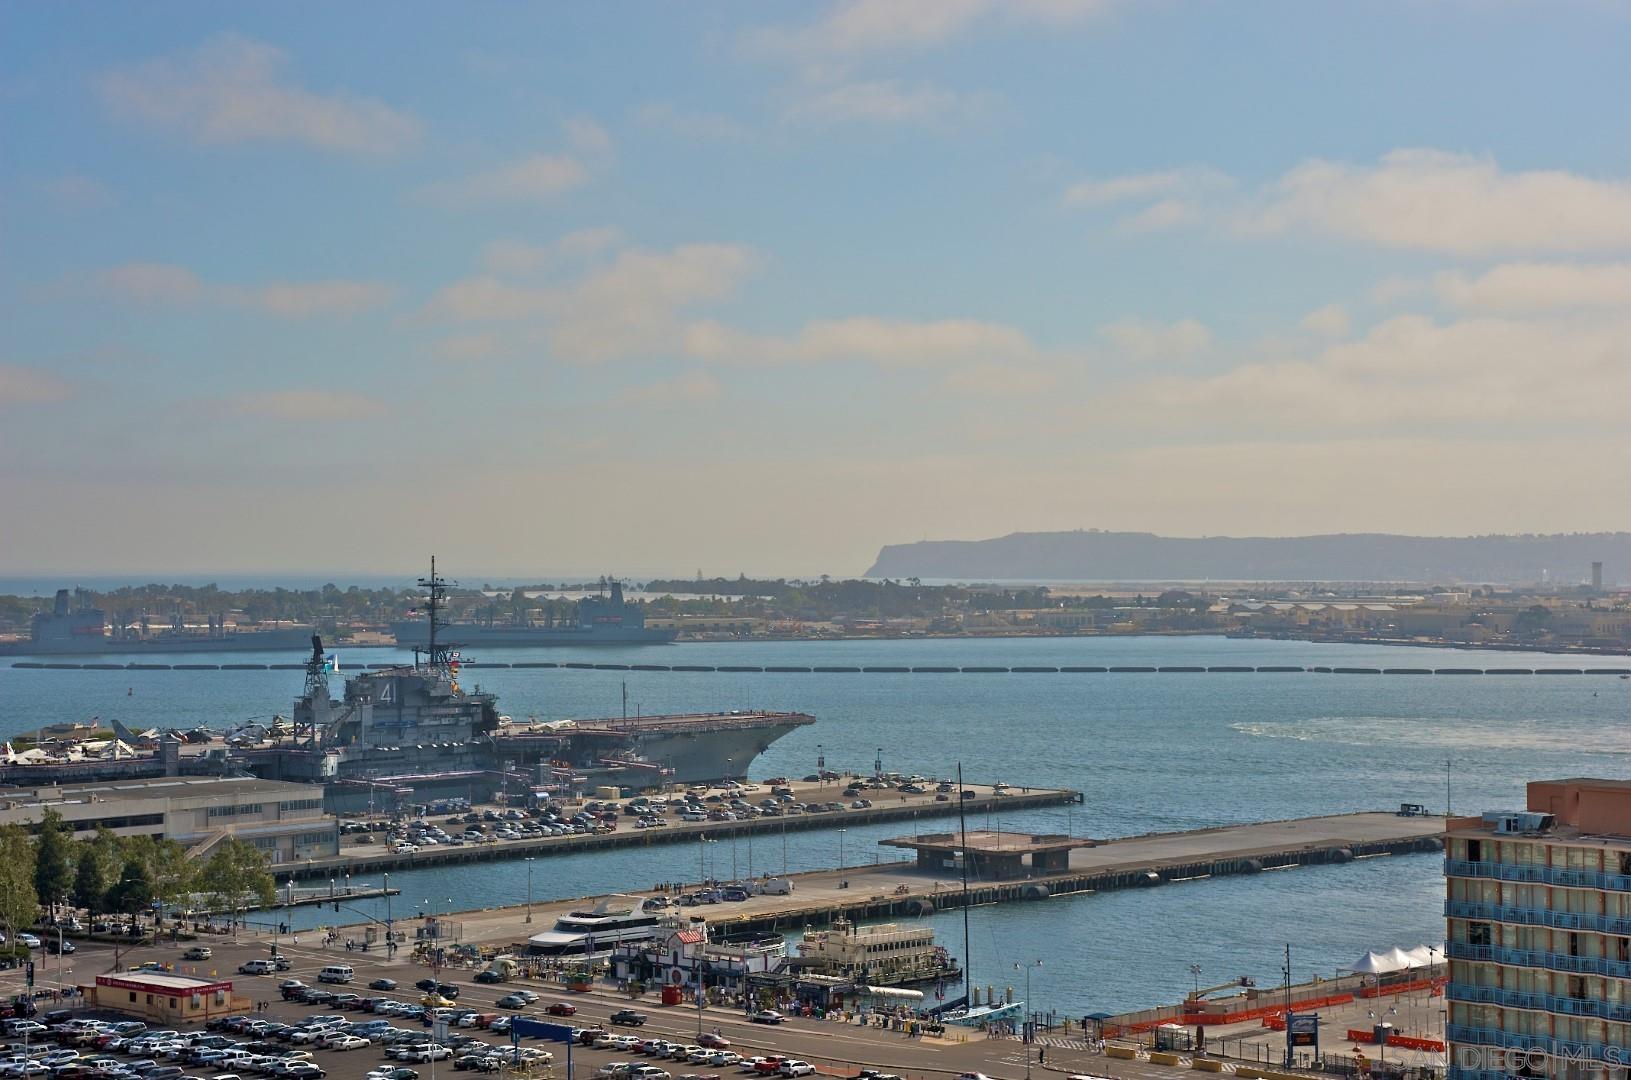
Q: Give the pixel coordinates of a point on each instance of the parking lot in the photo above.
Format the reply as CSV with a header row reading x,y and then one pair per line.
x,y
348,1040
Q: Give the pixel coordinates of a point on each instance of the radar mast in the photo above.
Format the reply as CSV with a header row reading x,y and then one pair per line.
x,y
437,654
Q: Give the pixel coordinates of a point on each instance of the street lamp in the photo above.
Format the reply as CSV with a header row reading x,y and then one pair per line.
x,y
529,889
1026,1028
841,833
1195,970
59,961
390,939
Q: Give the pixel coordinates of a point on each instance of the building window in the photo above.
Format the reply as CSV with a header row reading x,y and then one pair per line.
x,y
1478,933
314,838
1475,851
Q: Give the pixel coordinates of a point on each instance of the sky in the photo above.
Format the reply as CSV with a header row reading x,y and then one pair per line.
x,y
642,288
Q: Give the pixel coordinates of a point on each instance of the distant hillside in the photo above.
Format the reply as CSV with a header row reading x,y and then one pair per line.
x,y
1126,556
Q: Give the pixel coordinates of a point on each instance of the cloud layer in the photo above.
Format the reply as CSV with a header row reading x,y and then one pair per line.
x,y
231,90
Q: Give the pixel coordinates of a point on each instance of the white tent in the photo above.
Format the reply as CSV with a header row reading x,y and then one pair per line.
x,y
1401,960
1375,963
1425,956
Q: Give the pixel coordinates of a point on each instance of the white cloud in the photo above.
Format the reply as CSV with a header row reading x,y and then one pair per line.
x,y
886,101
688,124
872,26
30,386
632,306
1147,340
229,90
585,243
1000,381
305,405
1430,200
467,347
534,178
588,138
1407,375
886,342
514,257
1521,287
485,299
77,192
1143,186
690,388
1330,321
165,283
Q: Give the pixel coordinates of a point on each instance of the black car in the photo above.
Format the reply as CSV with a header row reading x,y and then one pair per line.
x,y
489,977
382,984
427,985
629,1017
447,990
53,946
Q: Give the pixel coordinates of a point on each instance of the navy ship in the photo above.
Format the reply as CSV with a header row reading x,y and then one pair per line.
x,y
82,629
602,620
413,733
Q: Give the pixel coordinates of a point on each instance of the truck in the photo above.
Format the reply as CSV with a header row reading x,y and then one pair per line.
x,y
778,887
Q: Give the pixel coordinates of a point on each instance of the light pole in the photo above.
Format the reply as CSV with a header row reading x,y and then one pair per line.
x,y
390,939
1026,1021
727,772
841,833
1195,970
529,889
59,961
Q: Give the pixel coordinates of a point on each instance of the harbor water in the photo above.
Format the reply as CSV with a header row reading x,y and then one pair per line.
x,y
1151,752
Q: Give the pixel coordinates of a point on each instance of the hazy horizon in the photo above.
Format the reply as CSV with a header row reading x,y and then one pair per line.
x,y
756,287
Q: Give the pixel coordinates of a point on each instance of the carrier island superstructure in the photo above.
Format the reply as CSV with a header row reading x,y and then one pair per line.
x,y
414,733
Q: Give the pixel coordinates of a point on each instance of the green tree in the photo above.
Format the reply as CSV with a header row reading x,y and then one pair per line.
x,y
235,877
51,874
90,883
133,892
170,874
19,903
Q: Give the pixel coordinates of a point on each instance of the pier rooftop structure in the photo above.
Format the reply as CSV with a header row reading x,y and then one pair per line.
x,y
993,855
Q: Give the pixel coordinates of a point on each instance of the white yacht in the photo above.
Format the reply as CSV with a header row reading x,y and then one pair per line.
x,y
616,920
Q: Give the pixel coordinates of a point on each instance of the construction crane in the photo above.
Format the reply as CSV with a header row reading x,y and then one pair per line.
x,y
1244,981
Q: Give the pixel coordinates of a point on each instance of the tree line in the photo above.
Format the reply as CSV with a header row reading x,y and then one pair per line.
x,y
45,870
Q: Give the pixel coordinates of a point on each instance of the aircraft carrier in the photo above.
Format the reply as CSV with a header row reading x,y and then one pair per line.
x,y
413,733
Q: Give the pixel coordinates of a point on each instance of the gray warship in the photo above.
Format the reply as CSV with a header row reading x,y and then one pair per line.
x,y
601,620
414,733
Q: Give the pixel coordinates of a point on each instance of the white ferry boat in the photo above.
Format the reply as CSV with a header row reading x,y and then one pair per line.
x,y
616,920
886,954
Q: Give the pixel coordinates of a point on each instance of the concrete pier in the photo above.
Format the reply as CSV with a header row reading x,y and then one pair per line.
x,y
901,889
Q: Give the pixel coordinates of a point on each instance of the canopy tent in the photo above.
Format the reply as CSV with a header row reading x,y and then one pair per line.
x,y
1397,959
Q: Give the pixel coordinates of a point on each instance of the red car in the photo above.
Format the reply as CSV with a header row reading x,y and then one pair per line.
x,y
561,1008
713,1042
769,1065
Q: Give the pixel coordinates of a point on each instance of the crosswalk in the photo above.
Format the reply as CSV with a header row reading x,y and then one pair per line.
x,y
1057,1042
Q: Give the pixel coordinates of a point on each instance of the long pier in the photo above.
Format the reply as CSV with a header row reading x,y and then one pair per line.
x,y
902,890
368,859
887,669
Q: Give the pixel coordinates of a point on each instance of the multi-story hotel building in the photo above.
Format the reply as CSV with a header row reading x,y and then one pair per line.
x,y
1538,905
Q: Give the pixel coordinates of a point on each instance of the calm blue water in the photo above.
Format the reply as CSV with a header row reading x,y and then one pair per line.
x,y
1152,752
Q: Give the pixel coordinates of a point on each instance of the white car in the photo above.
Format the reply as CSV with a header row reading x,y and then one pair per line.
x,y
30,940
797,1068
614,1069
349,1042
724,1058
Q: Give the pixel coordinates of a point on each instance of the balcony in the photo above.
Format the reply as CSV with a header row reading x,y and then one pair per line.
x,y
1552,1003
1511,1040
1525,916
1538,875
1536,958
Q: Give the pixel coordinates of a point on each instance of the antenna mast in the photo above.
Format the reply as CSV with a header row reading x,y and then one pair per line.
x,y
437,654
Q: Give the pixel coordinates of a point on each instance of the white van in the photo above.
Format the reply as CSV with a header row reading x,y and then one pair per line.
x,y
336,973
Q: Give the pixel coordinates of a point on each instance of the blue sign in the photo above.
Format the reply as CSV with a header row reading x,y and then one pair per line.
x,y
521,1028
1302,1029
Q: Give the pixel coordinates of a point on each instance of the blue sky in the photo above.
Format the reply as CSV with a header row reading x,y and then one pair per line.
x,y
657,287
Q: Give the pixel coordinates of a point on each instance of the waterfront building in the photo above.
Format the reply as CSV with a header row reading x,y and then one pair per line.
x,y
285,820
163,998
1538,906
